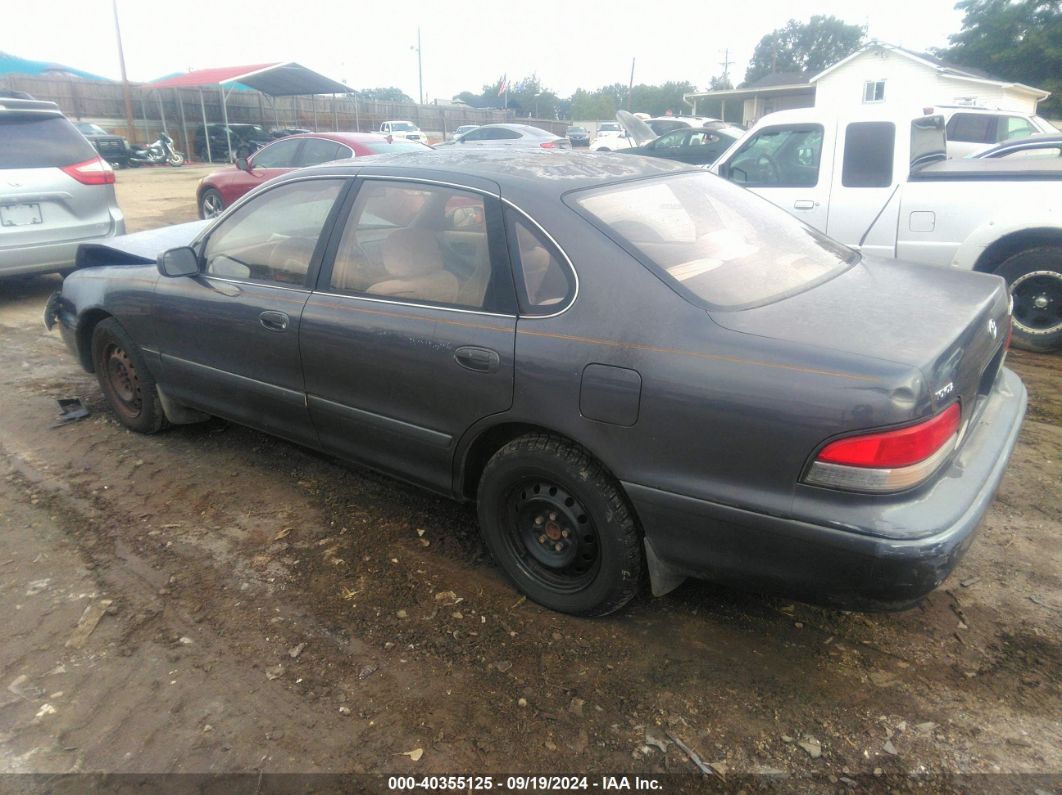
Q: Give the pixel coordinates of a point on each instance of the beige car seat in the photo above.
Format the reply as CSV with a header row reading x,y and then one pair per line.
x,y
412,257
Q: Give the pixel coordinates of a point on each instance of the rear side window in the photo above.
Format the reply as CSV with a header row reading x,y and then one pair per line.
x,y
868,153
716,244
30,142
543,284
318,150
973,128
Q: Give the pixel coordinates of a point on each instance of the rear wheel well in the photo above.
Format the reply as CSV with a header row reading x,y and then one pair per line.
x,y
1009,245
85,328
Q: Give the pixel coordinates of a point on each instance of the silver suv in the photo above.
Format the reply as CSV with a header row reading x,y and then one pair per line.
x,y
55,190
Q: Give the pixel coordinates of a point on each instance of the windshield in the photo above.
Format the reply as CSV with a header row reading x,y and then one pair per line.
x,y
609,126
403,126
576,129
715,242
90,129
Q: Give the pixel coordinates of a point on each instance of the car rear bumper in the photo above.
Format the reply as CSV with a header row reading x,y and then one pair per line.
x,y
827,564
49,257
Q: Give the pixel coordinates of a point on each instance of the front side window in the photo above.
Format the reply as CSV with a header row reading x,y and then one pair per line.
x,y
779,157
279,155
673,140
868,153
1016,127
272,237
718,245
544,285
413,242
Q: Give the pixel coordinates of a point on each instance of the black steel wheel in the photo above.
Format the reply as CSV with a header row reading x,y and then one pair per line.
x,y
1035,279
560,526
124,378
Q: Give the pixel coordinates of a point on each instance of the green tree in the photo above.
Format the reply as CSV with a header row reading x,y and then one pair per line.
x,y
721,83
1015,40
390,94
804,47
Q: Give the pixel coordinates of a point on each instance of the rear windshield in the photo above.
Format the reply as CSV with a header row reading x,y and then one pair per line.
x,y
33,142
716,243
403,126
384,148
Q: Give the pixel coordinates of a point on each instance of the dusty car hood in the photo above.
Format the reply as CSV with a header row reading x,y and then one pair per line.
x,y
140,248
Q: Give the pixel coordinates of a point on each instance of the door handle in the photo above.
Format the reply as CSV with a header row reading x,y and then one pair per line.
x,y
805,204
482,360
274,321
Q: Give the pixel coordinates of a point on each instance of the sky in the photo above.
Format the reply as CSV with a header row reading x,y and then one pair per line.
x,y
464,43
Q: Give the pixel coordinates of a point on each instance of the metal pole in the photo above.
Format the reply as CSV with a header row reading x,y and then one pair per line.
x,y
206,129
225,121
630,86
143,113
357,119
313,104
420,68
184,124
162,112
335,113
126,95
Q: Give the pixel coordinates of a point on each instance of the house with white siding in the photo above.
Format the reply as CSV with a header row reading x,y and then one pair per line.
x,y
876,74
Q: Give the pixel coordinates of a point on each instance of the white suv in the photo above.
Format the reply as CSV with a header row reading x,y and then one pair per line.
x,y
973,129
403,129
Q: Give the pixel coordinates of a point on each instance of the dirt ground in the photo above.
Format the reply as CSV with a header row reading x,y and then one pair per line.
x,y
264,608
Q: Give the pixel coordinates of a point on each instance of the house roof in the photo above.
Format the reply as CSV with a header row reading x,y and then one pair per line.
x,y
780,79
942,67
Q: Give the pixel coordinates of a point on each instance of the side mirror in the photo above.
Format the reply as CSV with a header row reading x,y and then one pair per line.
x,y
179,262
242,164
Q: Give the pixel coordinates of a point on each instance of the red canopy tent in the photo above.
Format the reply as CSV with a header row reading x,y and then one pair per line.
x,y
286,79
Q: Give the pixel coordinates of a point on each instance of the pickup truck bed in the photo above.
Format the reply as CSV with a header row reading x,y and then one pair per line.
x,y
1029,169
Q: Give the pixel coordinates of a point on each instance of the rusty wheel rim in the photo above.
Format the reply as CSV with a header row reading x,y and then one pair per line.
x,y
123,381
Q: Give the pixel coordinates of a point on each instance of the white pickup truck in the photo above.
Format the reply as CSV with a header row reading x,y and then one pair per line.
x,y
403,129
879,182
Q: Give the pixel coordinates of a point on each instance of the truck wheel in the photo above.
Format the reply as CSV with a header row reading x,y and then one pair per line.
x,y
125,380
1035,279
559,526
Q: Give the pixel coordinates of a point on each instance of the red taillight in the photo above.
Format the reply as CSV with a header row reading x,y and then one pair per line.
x,y
894,449
548,144
96,171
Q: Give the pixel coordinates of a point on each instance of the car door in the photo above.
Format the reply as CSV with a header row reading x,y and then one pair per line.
x,y
229,336
271,161
863,208
408,339
784,164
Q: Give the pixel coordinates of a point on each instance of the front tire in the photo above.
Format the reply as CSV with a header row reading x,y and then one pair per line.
x,y
211,204
176,159
560,527
125,380
1035,280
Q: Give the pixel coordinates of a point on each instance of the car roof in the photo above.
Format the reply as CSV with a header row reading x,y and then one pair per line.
x,y
539,172
35,107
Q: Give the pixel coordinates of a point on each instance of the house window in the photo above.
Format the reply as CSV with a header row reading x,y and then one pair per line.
x,y
874,91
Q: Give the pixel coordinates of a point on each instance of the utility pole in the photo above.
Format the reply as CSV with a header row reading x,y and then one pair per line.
x,y
420,66
125,81
630,86
725,63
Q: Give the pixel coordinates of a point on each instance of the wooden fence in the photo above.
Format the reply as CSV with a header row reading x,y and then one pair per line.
x,y
181,111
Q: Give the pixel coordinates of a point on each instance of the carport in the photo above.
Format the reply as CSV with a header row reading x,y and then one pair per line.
x,y
273,80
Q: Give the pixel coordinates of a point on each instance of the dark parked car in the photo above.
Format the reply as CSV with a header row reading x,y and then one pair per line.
x,y
112,148
632,366
579,136
220,189
1041,145
698,147
246,140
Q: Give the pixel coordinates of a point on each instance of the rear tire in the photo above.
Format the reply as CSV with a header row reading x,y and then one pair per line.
x,y
560,527
125,380
211,204
1035,280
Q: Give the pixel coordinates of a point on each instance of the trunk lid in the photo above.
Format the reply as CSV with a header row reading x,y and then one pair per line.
x,y
952,325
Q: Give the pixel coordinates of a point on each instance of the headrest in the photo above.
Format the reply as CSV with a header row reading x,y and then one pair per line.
x,y
408,253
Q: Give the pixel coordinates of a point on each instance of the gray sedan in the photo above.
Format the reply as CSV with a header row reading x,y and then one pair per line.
x,y
635,369
511,136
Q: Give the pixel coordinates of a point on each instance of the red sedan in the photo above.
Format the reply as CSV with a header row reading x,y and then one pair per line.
x,y
222,188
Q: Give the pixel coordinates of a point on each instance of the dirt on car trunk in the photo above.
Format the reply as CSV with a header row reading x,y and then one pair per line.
x,y
211,599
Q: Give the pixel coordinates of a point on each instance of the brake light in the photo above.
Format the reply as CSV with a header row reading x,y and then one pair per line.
x,y
888,460
548,144
96,171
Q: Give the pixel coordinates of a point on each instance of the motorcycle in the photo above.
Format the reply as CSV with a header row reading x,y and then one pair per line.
x,y
162,151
